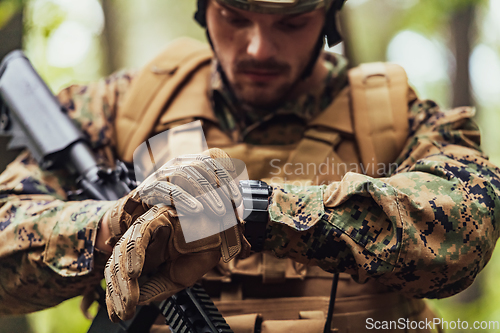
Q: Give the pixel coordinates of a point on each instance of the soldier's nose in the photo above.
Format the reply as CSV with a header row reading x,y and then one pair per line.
x,y
260,45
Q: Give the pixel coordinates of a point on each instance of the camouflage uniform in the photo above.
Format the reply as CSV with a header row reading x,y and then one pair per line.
x,y
426,230
47,253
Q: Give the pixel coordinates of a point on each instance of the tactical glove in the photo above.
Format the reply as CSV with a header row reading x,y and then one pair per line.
x,y
154,247
151,243
189,183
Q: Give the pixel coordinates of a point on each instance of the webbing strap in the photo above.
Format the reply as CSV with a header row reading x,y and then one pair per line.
x,y
337,116
380,111
273,269
313,149
232,292
322,137
379,103
154,89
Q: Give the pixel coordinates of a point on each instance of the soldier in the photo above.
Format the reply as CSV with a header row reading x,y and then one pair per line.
x,y
367,180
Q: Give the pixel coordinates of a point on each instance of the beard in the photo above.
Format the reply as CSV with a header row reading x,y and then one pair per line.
x,y
266,94
261,95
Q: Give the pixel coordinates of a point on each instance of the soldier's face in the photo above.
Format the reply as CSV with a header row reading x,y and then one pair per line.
x,y
262,55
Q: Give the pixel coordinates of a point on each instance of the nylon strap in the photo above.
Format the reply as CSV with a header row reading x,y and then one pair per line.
x,y
322,137
380,111
337,116
273,269
314,148
153,90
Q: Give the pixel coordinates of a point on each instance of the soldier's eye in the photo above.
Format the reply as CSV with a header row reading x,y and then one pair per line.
x,y
239,22
234,19
292,25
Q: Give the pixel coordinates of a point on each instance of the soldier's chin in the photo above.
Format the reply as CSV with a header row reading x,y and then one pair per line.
x,y
261,97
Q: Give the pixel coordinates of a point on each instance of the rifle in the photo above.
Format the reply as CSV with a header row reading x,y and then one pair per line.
x,y
31,114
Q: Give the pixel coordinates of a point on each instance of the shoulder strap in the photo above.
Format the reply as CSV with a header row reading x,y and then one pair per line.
x,y
374,108
379,97
322,136
153,90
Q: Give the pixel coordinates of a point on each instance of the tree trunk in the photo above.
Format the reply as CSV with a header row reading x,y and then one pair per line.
x,y
462,24
347,37
111,37
11,36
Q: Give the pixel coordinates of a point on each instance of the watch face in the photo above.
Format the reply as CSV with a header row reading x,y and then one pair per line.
x,y
255,195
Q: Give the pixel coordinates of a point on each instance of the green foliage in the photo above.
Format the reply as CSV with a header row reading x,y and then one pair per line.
x,y
66,317
429,16
44,18
8,8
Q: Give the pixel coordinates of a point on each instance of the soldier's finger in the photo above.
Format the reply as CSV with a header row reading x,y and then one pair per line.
x,y
200,186
224,159
162,192
221,182
111,310
113,299
181,160
139,238
224,179
126,287
158,288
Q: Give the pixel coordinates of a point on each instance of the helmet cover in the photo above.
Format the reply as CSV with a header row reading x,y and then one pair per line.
x,y
284,7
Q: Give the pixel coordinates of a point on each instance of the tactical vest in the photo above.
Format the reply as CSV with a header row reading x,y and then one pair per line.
x,y
364,127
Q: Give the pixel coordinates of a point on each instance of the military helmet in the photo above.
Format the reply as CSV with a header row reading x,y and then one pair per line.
x,y
285,7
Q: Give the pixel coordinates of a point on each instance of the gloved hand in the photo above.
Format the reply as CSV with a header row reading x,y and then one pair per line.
x,y
151,243
177,183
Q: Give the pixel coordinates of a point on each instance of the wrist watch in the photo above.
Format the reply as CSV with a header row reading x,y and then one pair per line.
x,y
256,194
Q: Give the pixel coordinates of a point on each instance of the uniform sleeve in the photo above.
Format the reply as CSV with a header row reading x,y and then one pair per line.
x,y
426,231
47,252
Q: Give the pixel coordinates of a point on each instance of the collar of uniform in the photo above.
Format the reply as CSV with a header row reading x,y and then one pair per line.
x,y
239,120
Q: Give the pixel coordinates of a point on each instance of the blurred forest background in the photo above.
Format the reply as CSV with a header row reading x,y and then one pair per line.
x,y
450,49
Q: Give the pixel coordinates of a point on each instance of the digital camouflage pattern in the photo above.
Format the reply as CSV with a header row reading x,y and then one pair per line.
x,y
43,239
47,252
297,207
426,230
93,107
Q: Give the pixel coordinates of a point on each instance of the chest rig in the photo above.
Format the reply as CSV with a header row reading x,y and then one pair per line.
x,y
362,130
